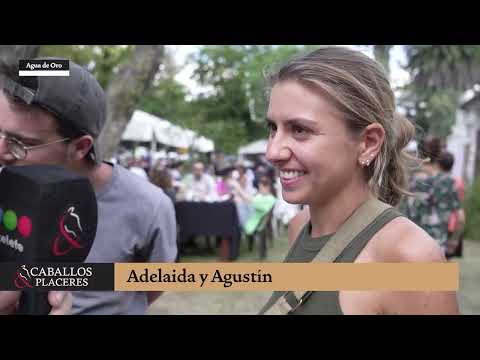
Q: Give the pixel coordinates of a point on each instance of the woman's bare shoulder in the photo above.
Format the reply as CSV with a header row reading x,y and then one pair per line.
x,y
401,240
297,223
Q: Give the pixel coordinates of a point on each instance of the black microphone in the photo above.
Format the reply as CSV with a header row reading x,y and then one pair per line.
x,y
47,215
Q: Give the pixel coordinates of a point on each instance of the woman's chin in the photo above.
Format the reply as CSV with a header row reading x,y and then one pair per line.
x,y
293,198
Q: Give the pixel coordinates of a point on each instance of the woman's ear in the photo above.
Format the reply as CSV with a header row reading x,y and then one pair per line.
x,y
372,140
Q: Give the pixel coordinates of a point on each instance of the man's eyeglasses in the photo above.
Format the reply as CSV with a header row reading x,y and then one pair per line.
x,y
19,149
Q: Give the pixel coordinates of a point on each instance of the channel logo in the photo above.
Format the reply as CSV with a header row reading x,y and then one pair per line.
x,y
48,276
22,278
12,222
70,229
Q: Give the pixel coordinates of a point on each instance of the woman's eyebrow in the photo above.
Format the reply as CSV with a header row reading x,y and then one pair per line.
x,y
302,121
295,120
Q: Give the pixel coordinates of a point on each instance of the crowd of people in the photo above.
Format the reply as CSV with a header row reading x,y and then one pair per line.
x,y
254,188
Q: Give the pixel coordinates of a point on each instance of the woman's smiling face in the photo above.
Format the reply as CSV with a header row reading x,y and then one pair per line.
x,y
310,144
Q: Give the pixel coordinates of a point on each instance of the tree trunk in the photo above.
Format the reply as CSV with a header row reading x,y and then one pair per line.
x,y
382,55
125,90
11,53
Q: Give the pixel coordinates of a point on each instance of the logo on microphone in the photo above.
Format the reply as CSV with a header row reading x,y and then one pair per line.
x,y
23,278
10,223
70,229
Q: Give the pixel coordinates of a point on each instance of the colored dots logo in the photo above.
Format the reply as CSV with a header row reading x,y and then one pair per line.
x,y
24,226
10,220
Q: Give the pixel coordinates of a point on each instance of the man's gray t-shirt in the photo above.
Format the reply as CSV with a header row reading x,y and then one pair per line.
x,y
136,223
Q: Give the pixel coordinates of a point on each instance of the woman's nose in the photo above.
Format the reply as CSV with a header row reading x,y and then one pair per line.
x,y
277,150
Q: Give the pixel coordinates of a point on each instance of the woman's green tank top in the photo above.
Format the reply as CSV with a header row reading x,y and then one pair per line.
x,y
306,248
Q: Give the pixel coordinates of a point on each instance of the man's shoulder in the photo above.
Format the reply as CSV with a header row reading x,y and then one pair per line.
x,y
127,177
133,185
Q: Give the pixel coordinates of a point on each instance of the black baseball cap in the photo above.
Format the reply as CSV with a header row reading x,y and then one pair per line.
x,y
77,99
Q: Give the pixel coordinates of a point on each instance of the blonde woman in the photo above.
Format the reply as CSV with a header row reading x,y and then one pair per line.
x,y
337,142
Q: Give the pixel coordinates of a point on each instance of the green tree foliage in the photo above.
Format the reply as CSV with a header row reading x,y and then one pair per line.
x,y
167,99
231,110
433,113
102,60
440,74
235,75
438,67
382,55
124,71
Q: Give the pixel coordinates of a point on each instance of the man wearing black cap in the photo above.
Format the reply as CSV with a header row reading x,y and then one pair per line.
x,y
57,120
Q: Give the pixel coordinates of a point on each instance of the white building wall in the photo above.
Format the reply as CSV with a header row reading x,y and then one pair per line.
x,y
462,142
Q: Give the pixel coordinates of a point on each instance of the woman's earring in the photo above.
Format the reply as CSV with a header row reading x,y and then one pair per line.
x,y
371,159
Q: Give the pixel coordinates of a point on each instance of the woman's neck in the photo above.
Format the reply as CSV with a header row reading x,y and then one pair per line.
x,y
326,217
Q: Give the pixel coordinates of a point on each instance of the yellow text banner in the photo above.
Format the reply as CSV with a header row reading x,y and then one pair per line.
x,y
286,276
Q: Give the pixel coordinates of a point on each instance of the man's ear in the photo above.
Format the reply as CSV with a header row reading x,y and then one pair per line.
x,y
81,146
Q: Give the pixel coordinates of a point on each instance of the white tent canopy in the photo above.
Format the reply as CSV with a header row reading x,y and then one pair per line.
x,y
254,148
145,127
140,128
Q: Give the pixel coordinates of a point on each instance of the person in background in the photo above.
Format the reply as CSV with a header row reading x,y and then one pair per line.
x,y
135,166
218,159
224,190
161,177
260,204
175,171
260,171
434,194
199,186
243,191
283,212
457,219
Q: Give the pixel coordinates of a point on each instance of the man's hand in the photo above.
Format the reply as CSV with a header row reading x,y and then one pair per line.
x,y
61,302
8,301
